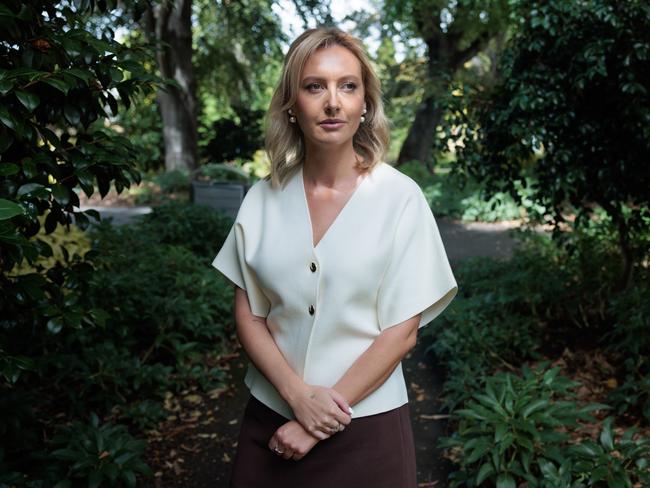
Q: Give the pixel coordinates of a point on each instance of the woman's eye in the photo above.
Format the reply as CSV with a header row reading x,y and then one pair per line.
x,y
349,85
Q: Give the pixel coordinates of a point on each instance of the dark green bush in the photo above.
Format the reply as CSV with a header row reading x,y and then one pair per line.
x,y
160,312
198,228
513,423
545,298
176,180
609,462
168,308
629,339
97,455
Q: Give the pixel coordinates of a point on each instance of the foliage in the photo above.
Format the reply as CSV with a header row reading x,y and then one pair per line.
x,y
618,462
512,424
466,20
176,180
177,223
238,52
546,297
159,328
224,172
56,80
517,429
571,110
98,455
78,455
236,139
465,199
499,316
163,319
629,338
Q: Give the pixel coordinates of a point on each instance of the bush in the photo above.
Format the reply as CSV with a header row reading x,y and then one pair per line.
x,y
177,180
538,302
197,228
168,310
515,422
629,340
98,455
454,196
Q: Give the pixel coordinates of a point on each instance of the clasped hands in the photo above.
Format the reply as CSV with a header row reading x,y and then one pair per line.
x,y
320,413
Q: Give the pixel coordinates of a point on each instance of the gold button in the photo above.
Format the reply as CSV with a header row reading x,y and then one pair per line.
x,y
313,267
311,310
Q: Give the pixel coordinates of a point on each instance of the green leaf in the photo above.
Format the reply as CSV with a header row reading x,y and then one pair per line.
x,y
486,470
66,454
60,85
505,481
598,474
8,169
123,458
9,209
6,118
72,115
5,86
61,194
533,407
81,74
95,479
606,436
129,476
29,100
28,188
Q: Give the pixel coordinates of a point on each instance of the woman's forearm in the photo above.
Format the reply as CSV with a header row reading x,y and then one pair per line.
x,y
376,364
261,348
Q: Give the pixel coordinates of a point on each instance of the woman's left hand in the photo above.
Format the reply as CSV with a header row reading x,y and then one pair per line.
x,y
293,440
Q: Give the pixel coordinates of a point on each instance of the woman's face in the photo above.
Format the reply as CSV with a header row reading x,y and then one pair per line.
x,y
330,88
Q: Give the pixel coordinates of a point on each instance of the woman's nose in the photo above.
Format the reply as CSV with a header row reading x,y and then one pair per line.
x,y
332,99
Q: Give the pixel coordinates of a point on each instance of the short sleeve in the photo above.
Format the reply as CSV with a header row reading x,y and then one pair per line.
x,y
418,277
231,262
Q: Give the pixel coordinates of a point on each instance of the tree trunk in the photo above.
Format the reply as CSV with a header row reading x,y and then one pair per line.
x,y
419,140
170,22
445,57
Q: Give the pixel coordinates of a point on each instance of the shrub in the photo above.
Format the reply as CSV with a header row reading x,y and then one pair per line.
x,y
629,339
197,228
514,422
617,462
98,455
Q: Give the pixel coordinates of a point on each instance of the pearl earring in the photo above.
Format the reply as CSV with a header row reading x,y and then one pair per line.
x,y
292,119
363,119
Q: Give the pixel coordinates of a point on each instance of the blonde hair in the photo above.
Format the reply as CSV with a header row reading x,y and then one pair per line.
x,y
284,142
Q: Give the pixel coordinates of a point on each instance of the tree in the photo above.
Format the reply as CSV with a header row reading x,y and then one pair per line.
x,y
572,109
56,81
453,32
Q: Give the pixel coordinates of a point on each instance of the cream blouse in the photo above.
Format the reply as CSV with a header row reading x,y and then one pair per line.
x,y
380,262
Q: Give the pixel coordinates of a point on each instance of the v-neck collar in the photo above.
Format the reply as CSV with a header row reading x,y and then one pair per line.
x,y
301,188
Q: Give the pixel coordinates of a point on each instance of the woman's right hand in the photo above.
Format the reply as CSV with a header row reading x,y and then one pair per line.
x,y
320,410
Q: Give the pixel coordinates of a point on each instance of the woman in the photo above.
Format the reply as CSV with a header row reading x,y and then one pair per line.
x,y
337,262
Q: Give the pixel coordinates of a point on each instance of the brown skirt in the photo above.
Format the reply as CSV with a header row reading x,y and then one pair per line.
x,y
372,451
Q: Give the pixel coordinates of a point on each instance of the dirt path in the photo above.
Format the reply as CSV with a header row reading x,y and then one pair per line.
x,y
196,446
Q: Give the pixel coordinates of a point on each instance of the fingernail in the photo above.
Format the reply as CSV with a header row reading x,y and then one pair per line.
x,y
350,410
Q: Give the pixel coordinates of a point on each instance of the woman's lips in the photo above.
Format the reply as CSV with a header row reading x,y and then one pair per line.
x,y
332,125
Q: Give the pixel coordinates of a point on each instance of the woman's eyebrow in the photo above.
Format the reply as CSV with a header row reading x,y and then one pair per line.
x,y
320,78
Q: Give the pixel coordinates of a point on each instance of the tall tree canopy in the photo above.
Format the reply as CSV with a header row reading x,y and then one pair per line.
x,y
453,32
573,108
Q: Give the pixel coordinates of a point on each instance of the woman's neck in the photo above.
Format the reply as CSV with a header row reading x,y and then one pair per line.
x,y
332,166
